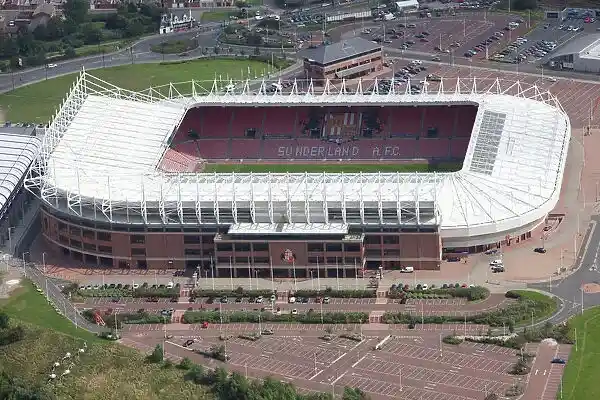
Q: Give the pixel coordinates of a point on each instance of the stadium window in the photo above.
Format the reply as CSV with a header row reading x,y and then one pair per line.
x,y
138,251
193,252
62,226
137,239
333,247
261,260
191,239
260,246
224,247
242,247
104,236
314,247
76,244
105,262
74,231
89,234
46,224
89,247
331,260
208,239
63,239
352,247
239,261
372,239
391,240
315,260
105,249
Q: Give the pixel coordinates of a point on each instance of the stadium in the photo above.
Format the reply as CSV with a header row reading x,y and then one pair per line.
x,y
131,180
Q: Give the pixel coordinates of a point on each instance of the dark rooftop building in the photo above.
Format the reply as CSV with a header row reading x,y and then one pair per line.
x,y
350,58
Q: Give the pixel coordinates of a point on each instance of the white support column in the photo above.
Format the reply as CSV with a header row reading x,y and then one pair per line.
x,y
441,87
233,199
343,197
417,199
359,88
288,200
306,199
270,195
106,203
398,199
179,200
161,202
252,203
143,208
324,195
198,204
379,202
216,199
474,88
361,200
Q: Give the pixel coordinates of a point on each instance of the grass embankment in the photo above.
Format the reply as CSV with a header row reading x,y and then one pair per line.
x,y
332,168
37,102
580,379
528,305
106,371
174,46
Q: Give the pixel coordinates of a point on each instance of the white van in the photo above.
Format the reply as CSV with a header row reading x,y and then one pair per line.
x,y
407,269
292,300
496,263
170,285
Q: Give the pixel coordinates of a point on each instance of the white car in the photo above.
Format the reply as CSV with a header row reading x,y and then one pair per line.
x,y
292,300
294,312
496,263
259,299
258,17
416,62
51,65
551,79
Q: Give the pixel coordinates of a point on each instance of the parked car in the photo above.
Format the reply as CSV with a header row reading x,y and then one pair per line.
x,y
558,361
540,250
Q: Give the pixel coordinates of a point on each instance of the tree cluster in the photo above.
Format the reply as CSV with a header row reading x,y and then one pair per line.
x,y
76,27
14,389
235,386
9,334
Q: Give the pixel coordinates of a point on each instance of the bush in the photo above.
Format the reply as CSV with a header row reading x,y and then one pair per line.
x,y
11,335
185,364
521,367
450,339
329,292
191,317
239,292
157,354
472,293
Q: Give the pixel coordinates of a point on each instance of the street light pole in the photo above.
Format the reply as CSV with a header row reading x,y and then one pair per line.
x,y
44,262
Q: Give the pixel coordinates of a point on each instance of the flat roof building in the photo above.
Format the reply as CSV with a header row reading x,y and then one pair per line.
x,y
581,54
407,5
347,59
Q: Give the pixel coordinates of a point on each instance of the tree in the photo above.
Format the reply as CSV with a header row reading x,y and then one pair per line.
x,y
76,13
157,354
4,320
185,364
195,374
354,394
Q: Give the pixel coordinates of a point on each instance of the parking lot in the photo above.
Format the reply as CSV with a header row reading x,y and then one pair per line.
x,y
411,365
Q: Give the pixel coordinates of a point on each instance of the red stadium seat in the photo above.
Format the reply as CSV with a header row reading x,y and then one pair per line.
x,y
245,148
244,118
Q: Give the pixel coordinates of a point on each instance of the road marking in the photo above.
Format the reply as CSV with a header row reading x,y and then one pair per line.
x,y
544,372
358,362
315,375
536,371
338,378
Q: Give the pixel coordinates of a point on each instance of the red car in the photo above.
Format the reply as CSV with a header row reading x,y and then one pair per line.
x,y
204,325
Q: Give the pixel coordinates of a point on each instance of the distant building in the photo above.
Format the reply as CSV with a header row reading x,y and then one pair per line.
x,y
407,6
176,22
348,59
580,54
42,14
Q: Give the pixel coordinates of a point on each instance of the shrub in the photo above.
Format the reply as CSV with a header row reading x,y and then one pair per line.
x,y
191,317
157,354
239,292
329,292
450,339
511,294
185,364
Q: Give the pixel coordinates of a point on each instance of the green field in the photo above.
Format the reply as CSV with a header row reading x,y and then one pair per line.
x,y
331,168
38,102
580,379
106,371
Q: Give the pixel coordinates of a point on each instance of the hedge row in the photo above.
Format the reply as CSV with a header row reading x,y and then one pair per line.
x,y
191,317
510,315
472,293
126,318
141,292
238,293
345,294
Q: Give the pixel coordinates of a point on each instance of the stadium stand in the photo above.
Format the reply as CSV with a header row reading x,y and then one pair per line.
x,y
215,122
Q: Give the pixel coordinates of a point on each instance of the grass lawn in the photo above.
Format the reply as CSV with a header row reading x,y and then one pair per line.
x,y
217,16
106,371
332,168
545,306
174,46
37,102
580,379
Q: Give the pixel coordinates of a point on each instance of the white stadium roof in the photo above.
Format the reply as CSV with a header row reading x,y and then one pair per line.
x,y
103,147
17,152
